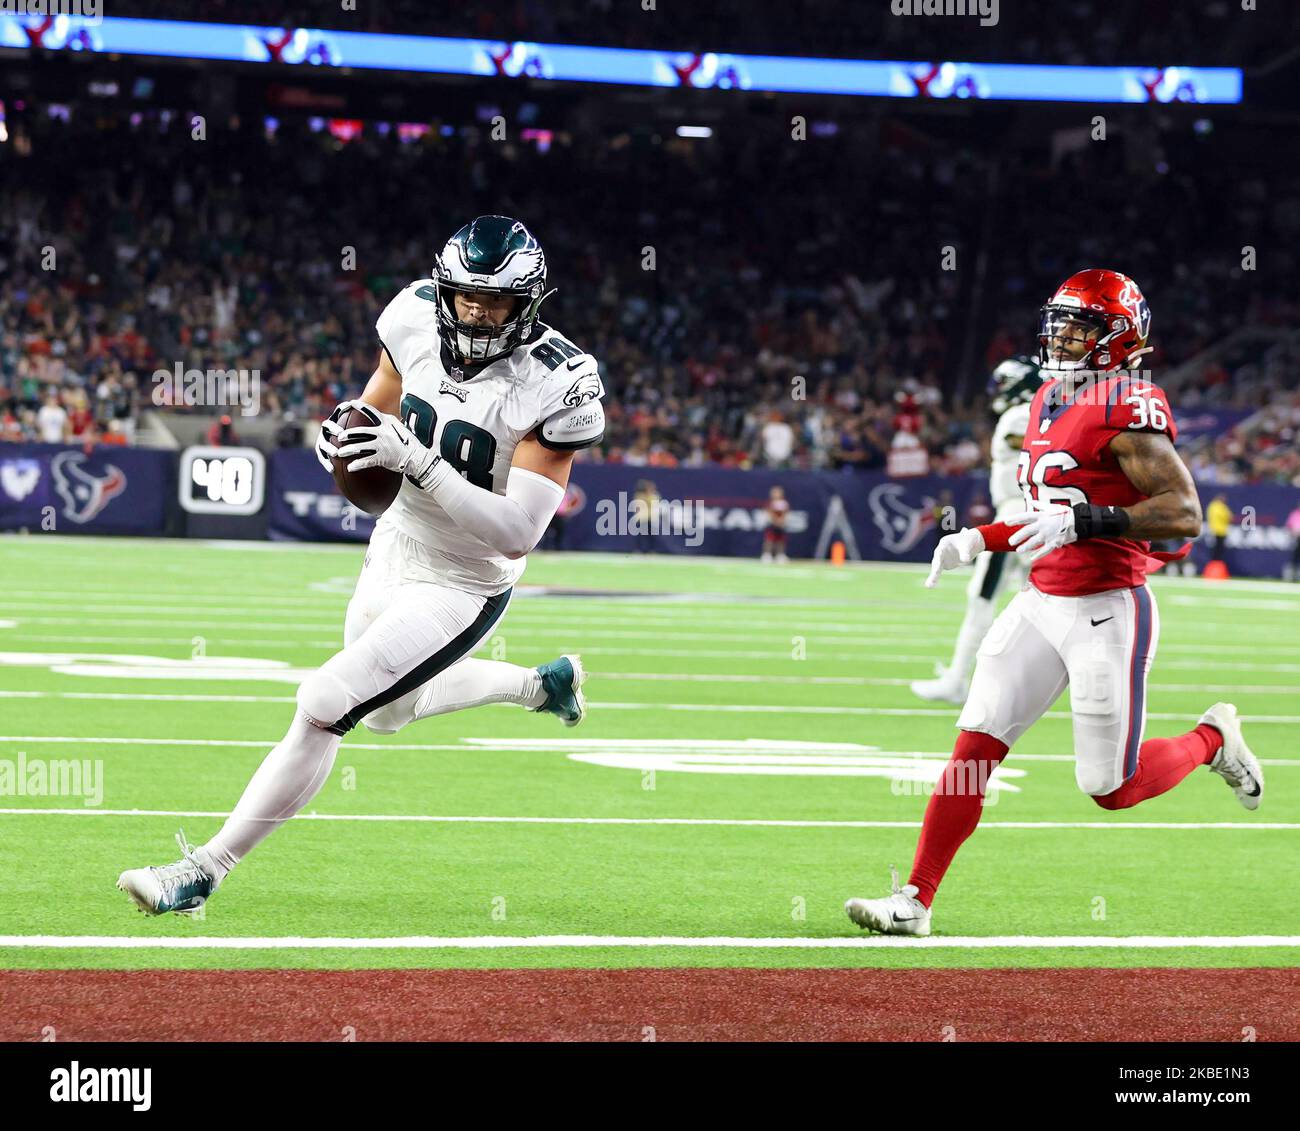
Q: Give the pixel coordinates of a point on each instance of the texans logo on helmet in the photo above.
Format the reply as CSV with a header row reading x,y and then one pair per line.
x,y
1131,299
84,493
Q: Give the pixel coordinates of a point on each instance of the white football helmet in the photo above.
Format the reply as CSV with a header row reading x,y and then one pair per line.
x,y
495,255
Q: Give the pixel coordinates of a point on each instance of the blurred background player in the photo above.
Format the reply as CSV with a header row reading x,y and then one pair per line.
x,y
774,537
1011,387
1101,478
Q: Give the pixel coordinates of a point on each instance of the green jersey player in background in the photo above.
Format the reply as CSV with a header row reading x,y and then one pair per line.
x,y
1012,388
481,407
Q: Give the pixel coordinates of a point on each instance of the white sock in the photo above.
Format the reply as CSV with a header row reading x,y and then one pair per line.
x,y
974,627
472,683
288,778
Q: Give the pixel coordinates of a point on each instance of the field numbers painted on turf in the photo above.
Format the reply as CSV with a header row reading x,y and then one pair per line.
x,y
764,757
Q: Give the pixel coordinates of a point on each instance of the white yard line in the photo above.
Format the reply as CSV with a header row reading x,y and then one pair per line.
x,y
704,822
709,942
519,627
905,712
675,677
289,643
495,745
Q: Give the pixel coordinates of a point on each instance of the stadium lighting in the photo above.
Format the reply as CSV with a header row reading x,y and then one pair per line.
x,y
694,131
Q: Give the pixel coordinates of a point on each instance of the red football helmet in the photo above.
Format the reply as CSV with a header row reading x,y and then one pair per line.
x,y
1097,319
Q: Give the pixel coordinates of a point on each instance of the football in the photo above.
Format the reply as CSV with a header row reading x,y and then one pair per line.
x,y
372,490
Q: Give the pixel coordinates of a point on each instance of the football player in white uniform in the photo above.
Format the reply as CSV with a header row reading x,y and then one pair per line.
x,y
1013,385
481,408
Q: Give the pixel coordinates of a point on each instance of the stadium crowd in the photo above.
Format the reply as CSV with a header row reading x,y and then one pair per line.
x,y
799,330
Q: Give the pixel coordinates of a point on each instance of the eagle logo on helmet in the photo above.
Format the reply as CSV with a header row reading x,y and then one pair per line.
x,y
494,255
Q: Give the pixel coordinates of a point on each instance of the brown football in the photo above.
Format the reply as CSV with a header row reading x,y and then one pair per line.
x,y
372,490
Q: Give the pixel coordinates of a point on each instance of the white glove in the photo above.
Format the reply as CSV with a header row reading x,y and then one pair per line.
x,y
1042,531
327,439
953,550
386,442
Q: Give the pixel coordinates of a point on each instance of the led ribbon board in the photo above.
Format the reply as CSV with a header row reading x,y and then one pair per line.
x,y
569,63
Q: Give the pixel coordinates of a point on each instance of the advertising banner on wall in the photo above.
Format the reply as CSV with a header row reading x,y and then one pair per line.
x,y
74,490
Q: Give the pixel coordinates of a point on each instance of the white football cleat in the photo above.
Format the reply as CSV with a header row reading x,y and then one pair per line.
x,y
182,887
1234,762
948,688
898,914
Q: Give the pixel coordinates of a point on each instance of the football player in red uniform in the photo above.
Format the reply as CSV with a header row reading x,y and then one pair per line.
x,y
1101,479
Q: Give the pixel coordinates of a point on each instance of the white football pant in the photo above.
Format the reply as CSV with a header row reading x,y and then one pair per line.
x,y
1100,645
406,637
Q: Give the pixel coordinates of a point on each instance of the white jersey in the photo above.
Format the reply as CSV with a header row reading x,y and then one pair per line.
x,y
1003,487
475,426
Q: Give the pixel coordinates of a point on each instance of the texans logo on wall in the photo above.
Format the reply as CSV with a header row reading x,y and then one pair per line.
x,y
84,492
901,526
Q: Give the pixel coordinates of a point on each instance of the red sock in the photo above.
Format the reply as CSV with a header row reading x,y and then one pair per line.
x,y
954,808
1162,764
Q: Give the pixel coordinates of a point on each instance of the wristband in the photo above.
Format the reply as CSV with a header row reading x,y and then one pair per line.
x,y
423,477
996,537
1099,522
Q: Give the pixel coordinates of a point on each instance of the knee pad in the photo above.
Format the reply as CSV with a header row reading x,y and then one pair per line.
x,y
1098,691
1097,781
391,717
1096,688
988,707
324,699
384,721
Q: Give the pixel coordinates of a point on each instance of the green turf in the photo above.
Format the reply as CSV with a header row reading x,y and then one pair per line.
x,y
171,599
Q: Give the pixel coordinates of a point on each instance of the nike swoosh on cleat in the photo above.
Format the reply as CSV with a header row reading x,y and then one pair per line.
x,y
1102,621
905,919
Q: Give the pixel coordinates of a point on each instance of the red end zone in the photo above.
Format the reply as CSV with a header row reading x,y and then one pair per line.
x,y
660,1004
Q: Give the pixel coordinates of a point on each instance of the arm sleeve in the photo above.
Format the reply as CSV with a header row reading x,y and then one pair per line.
x,y
997,537
513,523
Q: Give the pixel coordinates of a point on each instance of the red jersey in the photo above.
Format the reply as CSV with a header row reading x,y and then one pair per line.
x,y
1066,459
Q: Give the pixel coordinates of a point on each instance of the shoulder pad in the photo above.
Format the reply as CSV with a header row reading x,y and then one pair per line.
x,y
573,428
408,326
1134,404
571,385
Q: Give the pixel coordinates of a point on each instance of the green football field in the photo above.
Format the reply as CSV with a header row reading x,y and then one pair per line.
x,y
751,758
